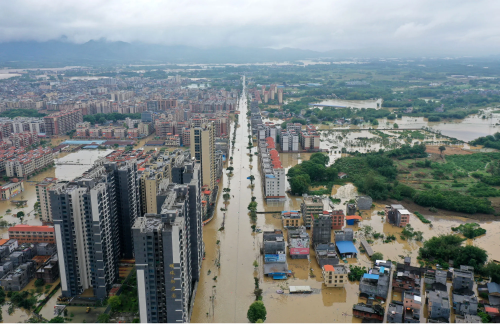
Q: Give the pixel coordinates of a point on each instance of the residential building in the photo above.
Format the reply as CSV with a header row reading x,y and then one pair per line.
x,y
274,178
397,215
369,312
464,304
338,218
467,319
19,278
309,139
49,271
364,202
463,278
62,122
290,219
162,249
203,150
11,189
334,276
32,234
42,195
395,312
92,217
289,141
275,264
326,254
438,305
310,205
375,285
322,229
298,243
412,302
25,164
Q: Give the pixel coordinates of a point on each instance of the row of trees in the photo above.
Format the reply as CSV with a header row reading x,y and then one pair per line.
x,y
102,118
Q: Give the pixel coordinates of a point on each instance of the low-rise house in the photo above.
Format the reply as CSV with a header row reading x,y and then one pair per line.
x,y
11,189
438,305
49,272
397,215
395,313
493,293
298,243
17,279
463,278
275,264
412,304
290,219
334,276
364,202
326,254
370,312
374,286
467,319
463,304
32,234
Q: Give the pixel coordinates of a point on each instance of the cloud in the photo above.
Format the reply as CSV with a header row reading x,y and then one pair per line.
x,y
436,26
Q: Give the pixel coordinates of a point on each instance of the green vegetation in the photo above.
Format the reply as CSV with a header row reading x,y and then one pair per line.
x,y
491,141
313,172
103,318
127,301
442,249
22,299
256,311
377,256
469,230
60,319
408,233
422,218
39,283
102,118
356,272
11,113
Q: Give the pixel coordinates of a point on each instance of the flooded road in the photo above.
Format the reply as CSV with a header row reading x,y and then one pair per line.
x,y
227,298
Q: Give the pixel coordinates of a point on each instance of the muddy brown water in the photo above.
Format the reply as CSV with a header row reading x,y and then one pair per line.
x,y
232,291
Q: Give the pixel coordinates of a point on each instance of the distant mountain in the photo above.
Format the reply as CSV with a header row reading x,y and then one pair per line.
x,y
104,51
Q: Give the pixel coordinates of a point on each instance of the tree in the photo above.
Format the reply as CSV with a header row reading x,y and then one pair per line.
x,y
114,302
300,184
103,318
442,148
396,125
39,282
5,178
20,215
255,264
60,319
377,256
256,311
251,178
101,120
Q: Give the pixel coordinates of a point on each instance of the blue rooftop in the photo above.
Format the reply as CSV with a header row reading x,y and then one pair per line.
x,y
270,176
346,247
370,276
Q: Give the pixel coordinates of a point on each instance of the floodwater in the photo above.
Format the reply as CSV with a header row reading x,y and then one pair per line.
x,y
358,104
82,161
227,298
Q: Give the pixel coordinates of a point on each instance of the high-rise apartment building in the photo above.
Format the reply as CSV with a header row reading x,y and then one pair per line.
x,y
62,122
92,218
203,150
322,229
163,260
42,195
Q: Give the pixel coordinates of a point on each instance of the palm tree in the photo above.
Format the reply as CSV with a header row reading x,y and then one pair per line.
x,y
251,178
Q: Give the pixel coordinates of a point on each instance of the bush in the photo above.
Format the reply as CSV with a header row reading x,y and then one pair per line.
x,y
422,218
469,230
377,256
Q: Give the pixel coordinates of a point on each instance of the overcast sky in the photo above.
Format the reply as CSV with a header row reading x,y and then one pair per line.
x,y
438,26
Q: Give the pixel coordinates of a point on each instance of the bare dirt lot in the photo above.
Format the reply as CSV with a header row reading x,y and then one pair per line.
x,y
449,150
